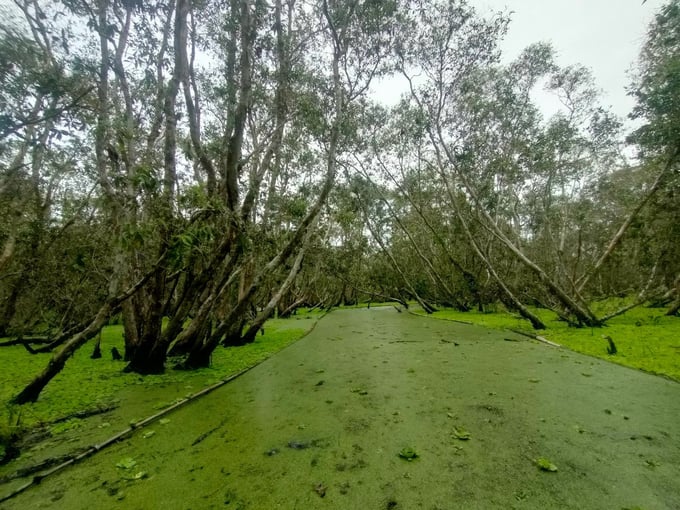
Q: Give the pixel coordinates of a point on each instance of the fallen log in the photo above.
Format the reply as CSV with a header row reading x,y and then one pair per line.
x,y
26,340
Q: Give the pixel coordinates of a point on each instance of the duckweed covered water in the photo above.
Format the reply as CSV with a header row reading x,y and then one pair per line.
x,y
322,425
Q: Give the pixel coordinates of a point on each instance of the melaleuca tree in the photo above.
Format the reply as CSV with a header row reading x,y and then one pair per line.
x,y
656,89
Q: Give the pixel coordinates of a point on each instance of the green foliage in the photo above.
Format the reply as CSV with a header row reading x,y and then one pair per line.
x,y
409,453
126,463
545,465
657,87
460,433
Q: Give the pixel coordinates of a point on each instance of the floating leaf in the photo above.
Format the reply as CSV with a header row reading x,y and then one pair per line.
x,y
127,463
164,421
408,453
545,465
461,433
534,380
149,434
141,475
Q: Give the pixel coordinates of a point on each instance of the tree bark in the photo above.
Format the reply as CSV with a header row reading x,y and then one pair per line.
x,y
675,307
513,301
614,242
266,312
32,391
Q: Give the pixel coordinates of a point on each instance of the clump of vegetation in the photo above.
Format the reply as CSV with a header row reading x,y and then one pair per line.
x,y
408,453
545,465
460,433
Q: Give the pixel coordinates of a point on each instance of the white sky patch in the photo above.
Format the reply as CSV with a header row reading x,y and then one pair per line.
x,y
603,35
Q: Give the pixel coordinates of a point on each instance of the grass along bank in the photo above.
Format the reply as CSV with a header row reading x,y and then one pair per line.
x,y
645,338
87,384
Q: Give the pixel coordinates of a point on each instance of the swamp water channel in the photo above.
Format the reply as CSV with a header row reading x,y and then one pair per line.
x,y
322,423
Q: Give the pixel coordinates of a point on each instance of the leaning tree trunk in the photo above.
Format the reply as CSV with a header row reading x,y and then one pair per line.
x,y
435,274
411,290
582,313
274,301
511,299
614,242
468,277
290,309
31,392
675,307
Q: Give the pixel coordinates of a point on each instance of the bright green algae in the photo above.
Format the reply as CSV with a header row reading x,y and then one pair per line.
x,y
293,429
86,384
645,337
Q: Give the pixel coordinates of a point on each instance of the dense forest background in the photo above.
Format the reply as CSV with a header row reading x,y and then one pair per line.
x,y
191,168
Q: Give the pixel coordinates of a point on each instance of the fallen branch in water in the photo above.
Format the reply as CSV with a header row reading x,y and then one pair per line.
x,y
25,340
535,337
86,413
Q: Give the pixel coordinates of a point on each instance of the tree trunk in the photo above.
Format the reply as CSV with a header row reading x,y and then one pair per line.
x,y
148,358
97,352
436,276
469,278
290,309
675,307
511,300
271,305
583,281
31,392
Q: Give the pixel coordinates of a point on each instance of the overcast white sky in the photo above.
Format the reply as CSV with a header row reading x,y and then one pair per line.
x,y
604,35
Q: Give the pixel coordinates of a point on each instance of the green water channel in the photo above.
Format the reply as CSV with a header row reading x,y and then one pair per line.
x,y
322,423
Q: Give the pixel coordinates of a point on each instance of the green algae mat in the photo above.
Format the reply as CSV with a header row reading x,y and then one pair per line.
x,y
380,410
